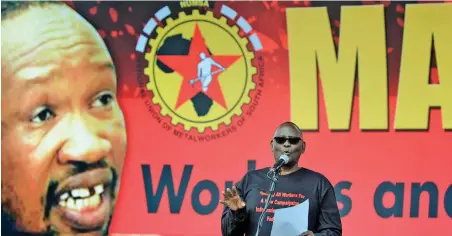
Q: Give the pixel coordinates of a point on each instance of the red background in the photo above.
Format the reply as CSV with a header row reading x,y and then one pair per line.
x,y
366,159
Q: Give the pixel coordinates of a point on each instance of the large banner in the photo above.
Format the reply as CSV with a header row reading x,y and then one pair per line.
x,y
369,83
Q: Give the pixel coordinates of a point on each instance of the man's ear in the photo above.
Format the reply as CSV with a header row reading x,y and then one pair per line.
x,y
303,147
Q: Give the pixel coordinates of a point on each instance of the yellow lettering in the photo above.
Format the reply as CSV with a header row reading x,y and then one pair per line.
x,y
194,3
362,35
415,96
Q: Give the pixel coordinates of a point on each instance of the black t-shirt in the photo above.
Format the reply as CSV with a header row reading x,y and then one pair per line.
x,y
290,190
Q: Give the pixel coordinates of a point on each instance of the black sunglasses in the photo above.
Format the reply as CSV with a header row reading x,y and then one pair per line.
x,y
292,140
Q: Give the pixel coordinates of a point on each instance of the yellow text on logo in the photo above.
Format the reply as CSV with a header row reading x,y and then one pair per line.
x,y
363,45
194,3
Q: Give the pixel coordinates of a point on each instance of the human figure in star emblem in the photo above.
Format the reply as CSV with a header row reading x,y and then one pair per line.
x,y
205,70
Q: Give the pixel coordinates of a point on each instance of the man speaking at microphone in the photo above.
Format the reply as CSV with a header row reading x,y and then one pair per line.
x,y
245,202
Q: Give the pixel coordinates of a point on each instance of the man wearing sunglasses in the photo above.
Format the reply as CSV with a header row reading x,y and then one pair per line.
x,y
244,203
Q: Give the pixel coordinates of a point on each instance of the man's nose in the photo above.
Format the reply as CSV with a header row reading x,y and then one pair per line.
x,y
85,143
286,143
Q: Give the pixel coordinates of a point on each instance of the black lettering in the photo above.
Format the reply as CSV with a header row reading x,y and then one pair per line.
x,y
416,191
342,198
177,133
241,121
142,93
448,201
214,199
397,209
254,103
166,179
166,126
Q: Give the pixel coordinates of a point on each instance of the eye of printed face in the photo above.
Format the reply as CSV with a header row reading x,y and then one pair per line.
x,y
42,114
104,100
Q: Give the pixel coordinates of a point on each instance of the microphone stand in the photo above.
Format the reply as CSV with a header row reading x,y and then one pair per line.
x,y
273,178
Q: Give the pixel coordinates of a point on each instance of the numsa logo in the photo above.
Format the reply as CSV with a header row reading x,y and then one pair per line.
x,y
200,69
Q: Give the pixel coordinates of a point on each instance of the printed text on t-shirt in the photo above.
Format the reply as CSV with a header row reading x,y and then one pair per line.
x,y
279,200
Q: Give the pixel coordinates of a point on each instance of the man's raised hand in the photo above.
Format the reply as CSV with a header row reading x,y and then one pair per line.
x,y
232,199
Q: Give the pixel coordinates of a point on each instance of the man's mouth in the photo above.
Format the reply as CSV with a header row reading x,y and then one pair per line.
x,y
81,199
84,201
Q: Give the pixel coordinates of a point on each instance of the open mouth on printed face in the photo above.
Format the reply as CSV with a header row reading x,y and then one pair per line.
x,y
84,201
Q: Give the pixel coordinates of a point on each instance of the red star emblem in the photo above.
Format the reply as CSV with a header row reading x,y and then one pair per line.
x,y
187,67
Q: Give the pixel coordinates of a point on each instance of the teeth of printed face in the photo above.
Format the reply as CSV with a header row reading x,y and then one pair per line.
x,y
99,189
82,198
80,192
64,196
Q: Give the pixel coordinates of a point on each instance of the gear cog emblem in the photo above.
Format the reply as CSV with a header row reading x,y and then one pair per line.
x,y
200,71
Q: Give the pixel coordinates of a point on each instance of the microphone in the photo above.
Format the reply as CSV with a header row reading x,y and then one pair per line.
x,y
283,159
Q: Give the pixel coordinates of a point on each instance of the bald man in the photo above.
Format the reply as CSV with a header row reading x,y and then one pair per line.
x,y
63,133
295,185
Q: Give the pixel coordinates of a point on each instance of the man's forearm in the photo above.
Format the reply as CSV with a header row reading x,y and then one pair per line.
x,y
329,232
233,224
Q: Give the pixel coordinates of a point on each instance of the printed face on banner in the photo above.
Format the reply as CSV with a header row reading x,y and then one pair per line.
x,y
63,132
